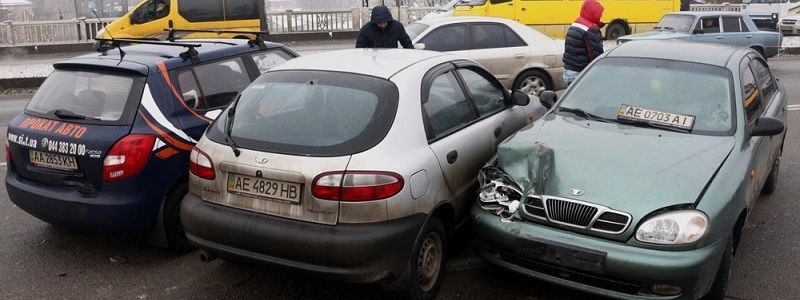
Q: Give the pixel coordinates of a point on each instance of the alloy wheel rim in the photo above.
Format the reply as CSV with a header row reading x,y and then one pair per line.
x,y
533,86
429,261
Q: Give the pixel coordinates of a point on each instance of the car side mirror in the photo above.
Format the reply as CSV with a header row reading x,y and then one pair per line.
x,y
766,126
698,31
419,46
520,98
548,99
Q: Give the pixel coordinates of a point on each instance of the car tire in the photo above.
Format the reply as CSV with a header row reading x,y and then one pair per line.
x,y
533,82
772,180
616,30
423,275
720,285
176,237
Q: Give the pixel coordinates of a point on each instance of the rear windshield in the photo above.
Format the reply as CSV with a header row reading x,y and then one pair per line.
x,y
88,97
311,113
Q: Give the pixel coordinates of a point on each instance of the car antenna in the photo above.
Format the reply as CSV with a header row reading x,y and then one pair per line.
x,y
113,40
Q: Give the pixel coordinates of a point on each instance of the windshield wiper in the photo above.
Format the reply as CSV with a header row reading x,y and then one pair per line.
x,y
68,115
653,125
229,127
581,113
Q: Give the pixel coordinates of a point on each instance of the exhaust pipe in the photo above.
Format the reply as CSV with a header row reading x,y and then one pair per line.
x,y
207,257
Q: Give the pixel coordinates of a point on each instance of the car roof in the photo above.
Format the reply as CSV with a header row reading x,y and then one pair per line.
x,y
383,63
708,13
436,21
705,53
149,55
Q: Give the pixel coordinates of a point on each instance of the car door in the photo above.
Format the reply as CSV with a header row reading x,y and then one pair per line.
x,y
460,146
773,103
736,32
711,30
498,49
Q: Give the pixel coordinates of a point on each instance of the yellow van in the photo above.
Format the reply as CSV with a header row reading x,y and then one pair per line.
x,y
553,17
151,17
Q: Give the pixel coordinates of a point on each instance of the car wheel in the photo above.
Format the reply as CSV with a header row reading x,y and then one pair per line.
x,y
616,30
772,180
533,82
720,285
423,276
176,237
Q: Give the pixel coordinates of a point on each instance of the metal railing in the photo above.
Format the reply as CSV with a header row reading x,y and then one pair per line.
x,y
50,32
715,7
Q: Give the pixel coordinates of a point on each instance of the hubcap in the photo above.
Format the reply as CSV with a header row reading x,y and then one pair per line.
x,y
533,86
429,262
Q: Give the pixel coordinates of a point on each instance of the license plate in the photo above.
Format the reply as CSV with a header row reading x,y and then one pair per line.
x,y
53,161
268,189
633,113
563,255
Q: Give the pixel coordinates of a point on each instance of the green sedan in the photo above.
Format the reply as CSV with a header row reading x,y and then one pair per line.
x,y
638,181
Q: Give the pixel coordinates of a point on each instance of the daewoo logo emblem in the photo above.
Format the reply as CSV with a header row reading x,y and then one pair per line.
x,y
262,160
575,192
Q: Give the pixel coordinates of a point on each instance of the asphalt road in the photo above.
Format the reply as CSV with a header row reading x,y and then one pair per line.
x,y
44,262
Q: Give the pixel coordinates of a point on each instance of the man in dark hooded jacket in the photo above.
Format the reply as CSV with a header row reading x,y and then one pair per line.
x,y
382,31
584,42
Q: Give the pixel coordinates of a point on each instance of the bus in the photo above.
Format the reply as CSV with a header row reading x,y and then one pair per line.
x,y
150,18
553,17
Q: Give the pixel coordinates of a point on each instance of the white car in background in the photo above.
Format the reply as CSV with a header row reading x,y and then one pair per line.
x,y
790,25
519,56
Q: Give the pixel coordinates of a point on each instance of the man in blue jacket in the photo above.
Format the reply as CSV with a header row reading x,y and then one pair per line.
x,y
383,31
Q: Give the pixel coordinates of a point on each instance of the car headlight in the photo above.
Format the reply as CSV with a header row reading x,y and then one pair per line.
x,y
674,228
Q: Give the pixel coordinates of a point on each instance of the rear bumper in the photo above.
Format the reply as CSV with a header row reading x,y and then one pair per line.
x,y
120,210
347,252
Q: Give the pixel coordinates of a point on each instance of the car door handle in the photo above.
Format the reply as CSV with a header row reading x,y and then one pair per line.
x,y
498,131
749,36
719,37
452,157
519,56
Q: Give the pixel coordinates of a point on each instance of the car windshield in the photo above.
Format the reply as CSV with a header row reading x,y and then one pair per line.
x,y
414,29
312,113
694,93
90,97
678,23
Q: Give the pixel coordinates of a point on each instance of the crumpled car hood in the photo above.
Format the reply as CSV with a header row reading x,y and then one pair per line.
x,y
630,169
655,35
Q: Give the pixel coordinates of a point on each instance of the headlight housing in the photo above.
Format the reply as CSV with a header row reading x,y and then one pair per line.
x,y
674,228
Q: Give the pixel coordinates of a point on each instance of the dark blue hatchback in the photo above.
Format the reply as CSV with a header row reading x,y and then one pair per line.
x,y
105,141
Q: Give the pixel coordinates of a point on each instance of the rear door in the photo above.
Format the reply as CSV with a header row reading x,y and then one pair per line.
x,y
72,121
736,32
498,49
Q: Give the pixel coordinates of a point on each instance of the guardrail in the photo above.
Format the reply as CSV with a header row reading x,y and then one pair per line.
x,y
715,7
84,30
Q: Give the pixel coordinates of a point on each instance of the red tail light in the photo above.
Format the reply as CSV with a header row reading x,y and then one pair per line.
x,y
128,157
201,165
357,186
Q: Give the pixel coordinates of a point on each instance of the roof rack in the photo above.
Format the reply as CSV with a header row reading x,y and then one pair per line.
x,y
260,36
191,52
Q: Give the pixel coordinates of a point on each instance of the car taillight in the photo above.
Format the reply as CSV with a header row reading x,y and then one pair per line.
x,y
356,186
128,157
8,154
201,165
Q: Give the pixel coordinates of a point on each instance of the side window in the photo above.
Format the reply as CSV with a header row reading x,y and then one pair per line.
x,y
750,93
710,24
190,90
743,25
446,107
512,39
448,38
201,10
267,60
150,11
241,10
764,78
487,36
731,24
488,97
221,81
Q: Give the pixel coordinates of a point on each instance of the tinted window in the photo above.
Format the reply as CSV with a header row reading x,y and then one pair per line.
x,y
486,36
449,38
512,39
709,25
221,81
488,97
150,11
201,10
731,24
100,97
743,25
312,113
190,90
267,60
446,106
751,95
241,10
764,78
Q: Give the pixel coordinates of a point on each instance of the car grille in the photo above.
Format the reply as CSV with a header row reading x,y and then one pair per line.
x,y
576,214
789,22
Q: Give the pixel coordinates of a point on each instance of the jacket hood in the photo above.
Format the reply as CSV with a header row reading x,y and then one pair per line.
x,y
381,13
591,12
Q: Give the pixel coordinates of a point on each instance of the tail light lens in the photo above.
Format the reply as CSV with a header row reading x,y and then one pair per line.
x,y
357,186
8,154
201,165
128,157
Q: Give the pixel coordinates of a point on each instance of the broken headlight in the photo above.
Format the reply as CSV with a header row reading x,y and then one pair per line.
x,y
499,194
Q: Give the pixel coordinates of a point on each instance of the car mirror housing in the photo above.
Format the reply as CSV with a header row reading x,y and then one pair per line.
x,y
698,31
419,46
548,99
520,98
766,126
